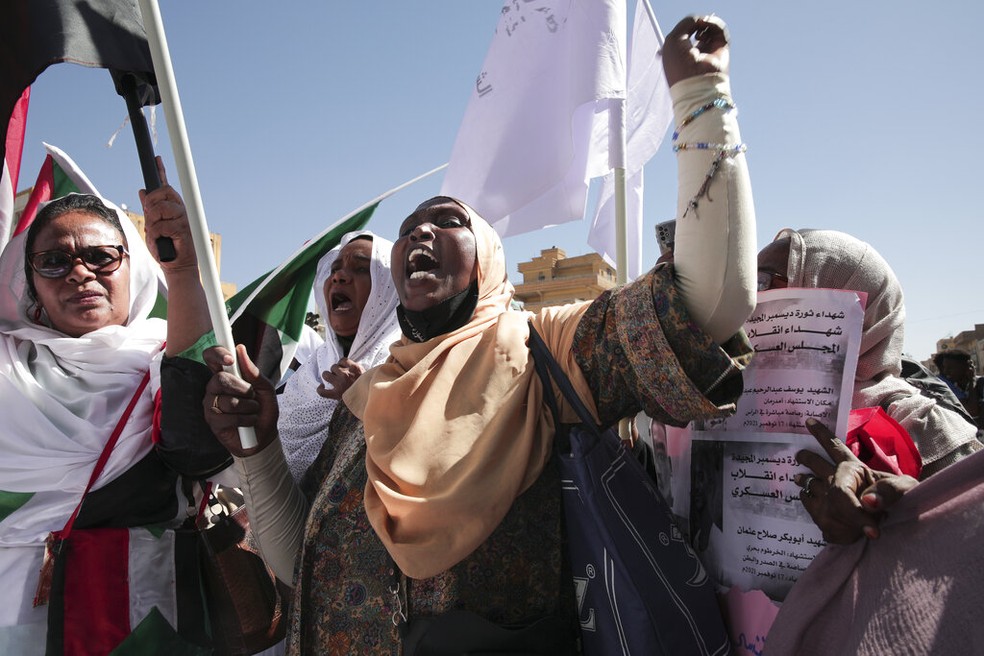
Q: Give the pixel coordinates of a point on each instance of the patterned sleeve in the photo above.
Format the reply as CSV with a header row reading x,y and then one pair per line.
x,y
639,350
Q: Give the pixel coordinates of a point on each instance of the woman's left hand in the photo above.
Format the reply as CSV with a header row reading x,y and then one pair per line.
x,y
165,216
339,378
846,499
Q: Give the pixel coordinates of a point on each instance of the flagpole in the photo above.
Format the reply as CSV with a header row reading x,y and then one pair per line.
x,y
652,18
145,152
154,27
617,148
616,155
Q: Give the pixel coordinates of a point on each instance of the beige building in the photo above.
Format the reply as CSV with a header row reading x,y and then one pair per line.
x,y
971,341
228,288
552,278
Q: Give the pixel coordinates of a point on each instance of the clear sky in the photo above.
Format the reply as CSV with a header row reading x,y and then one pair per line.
x,y
859,116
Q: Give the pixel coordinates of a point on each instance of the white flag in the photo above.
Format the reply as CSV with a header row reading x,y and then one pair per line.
x,y
536,127
649,113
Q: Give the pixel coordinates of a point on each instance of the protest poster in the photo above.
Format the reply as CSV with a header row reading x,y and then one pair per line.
x,y
745,517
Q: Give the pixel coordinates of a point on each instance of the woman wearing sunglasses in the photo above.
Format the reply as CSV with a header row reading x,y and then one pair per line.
x,y
76,342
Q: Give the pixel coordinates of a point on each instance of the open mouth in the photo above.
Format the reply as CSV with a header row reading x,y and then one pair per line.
x,y
340,302
420,262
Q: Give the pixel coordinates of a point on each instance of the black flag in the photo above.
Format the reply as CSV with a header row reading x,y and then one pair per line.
x,y
98,33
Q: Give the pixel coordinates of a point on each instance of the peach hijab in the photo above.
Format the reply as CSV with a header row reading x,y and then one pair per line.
x,y
455,426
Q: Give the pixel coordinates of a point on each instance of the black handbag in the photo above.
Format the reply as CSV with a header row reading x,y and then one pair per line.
x,y
457,632
640,588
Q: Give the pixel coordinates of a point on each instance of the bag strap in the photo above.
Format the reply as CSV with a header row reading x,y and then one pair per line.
x,y
107,450
547,366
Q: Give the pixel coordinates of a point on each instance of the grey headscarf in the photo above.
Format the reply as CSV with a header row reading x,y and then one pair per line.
x,y
835,260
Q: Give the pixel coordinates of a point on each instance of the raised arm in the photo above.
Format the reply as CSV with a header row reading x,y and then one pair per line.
x,y
186,443
715,250
187,311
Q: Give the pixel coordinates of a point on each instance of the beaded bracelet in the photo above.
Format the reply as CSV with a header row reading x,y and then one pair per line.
x,y
718,103
700,145
724,152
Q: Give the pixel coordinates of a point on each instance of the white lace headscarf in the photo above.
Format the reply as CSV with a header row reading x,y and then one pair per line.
x,y
62,396
304,414
835,260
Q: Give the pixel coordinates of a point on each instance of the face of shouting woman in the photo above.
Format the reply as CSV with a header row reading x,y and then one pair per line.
x,y
93,291
435,255
347,288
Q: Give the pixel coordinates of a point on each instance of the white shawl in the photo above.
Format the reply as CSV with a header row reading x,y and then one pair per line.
x,y
304,414
62,396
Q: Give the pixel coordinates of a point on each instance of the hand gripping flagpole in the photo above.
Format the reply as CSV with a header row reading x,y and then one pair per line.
x,y
154,27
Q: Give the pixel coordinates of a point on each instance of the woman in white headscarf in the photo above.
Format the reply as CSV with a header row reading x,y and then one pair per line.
x,y
835,260
306,406
76,341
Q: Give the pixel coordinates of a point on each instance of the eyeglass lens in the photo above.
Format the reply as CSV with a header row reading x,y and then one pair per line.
x,y
98,259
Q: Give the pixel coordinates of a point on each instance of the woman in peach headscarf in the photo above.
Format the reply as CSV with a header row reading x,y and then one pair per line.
x,y
437,493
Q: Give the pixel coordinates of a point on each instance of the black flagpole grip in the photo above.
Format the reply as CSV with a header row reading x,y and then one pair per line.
x,y
145,152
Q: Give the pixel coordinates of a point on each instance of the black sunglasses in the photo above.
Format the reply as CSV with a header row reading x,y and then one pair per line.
x,y
98,259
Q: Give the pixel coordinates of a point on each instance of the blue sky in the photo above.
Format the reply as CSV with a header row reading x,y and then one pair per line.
x,y
859,116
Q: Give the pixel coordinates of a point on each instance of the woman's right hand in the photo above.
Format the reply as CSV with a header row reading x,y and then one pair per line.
x,y
165,216
231,402
696,46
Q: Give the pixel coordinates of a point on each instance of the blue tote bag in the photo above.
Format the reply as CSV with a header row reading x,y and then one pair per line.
x,y
640,589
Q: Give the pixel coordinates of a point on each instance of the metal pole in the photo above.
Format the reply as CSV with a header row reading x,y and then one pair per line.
x,y
616,154
145,152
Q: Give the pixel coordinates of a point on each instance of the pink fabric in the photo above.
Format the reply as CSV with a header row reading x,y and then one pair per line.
x,y
881,442
918,589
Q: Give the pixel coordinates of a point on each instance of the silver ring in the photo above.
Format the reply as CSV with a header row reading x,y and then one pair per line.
x,y
806,486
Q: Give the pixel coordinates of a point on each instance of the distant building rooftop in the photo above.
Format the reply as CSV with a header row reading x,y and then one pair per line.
x,y
552,278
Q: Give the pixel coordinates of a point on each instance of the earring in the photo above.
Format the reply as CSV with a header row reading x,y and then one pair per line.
x,y
37,313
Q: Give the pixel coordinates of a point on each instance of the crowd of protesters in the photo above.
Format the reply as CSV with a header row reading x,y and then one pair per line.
x,y
403,473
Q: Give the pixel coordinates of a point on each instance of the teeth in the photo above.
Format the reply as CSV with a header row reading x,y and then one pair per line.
x,y
418,274
340,301
420,261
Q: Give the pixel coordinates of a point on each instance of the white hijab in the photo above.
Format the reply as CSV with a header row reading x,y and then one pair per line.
x,y
62,396
304,414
